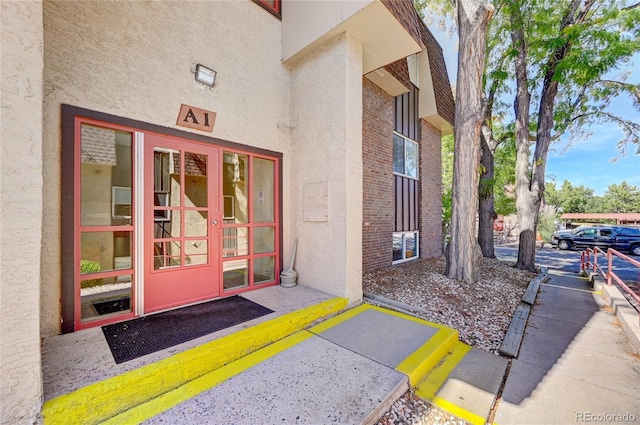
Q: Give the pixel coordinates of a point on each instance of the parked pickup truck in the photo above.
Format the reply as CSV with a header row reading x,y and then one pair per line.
x,y
616,237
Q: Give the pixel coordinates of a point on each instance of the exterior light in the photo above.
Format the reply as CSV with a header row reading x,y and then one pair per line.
x,y
205,75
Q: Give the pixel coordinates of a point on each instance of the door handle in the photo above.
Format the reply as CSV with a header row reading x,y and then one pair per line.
x,y
214,222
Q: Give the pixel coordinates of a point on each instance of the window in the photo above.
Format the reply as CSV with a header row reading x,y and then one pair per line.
x,y
272,6
405,246
628,232
250,228
405,156
406,186
103,262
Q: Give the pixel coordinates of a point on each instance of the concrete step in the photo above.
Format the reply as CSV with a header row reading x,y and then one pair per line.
x,y
368,355
348,369
108,398
465,383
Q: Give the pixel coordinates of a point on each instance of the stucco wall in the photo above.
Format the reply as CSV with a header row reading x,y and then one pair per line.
x,y
326,141
133,59
21,211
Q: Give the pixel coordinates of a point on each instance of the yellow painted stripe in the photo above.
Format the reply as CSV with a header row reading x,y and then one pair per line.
x,y
191,389
102,400
405,316
336,320
343,317
458,411
429,387
425,358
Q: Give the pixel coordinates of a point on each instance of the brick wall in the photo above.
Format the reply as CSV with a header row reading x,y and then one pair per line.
x,y
377,156
377,159
431,191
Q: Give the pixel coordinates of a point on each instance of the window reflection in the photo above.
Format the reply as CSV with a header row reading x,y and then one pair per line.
x,y
105,177
105,297
235,274
234,186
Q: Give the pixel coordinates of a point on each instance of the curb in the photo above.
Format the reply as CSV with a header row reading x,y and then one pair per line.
x,y
103,400
513,338
624,311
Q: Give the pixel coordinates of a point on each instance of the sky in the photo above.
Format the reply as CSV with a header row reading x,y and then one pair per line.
x,y
586,163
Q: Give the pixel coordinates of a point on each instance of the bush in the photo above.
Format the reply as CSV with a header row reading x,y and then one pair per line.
x,y
546,222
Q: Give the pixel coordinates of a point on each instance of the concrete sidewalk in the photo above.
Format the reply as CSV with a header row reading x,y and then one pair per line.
x,y
349,370
575,365
311,362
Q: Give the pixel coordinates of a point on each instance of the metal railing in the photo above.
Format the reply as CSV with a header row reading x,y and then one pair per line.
x,y
586,264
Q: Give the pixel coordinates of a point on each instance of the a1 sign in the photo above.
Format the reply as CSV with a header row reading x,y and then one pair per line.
x,y
196,118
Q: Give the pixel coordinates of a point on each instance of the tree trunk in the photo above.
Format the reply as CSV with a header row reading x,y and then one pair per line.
x,y
462,261
486,209
525,200
530,177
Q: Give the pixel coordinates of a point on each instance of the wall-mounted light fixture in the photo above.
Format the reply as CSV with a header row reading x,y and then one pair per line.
x,y
205,75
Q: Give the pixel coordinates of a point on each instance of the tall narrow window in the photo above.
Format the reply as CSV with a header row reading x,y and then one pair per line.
x,y
104,259
406,165
249,228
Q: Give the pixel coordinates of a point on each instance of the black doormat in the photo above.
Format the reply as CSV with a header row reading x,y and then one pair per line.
x,y
145,335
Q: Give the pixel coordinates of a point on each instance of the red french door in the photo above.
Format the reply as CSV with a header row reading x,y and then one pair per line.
x,y
182,222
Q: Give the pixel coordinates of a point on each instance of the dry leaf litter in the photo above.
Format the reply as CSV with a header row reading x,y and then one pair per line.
x,y
481,313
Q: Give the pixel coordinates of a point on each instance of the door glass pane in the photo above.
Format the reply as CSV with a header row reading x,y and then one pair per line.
x,y
105,177
104,251
234,187
235,241
166,254
263,190
263,270
235,274
195,180
398,154
196,252
162,170
263,239
168,226
196,223
105,297
411,160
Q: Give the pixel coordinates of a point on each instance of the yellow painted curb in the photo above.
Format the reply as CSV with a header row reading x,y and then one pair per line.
x,y
425,358
343,317
336,320
458,411
191,389
428,388
100,401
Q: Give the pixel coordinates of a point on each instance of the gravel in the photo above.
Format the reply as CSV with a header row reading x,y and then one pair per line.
x,y
480,312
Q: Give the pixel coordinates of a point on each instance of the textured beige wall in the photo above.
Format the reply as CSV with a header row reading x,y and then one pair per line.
x,y
133,59
329,150
21,211
305,22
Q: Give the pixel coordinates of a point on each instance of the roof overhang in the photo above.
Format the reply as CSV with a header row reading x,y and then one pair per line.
x,y
308,25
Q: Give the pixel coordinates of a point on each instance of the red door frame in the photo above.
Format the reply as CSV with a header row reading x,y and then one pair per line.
x,y
172,287
72,117
78,230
